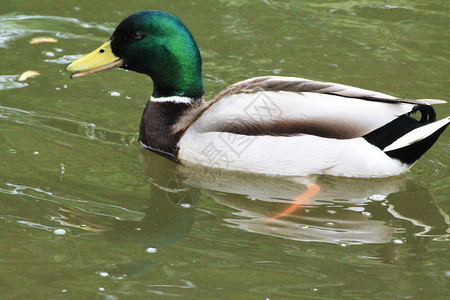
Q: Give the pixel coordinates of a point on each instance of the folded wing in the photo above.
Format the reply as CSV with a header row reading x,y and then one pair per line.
x,y
285,106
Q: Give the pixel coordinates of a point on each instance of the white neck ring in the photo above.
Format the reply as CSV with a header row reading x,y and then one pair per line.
x,y
172,99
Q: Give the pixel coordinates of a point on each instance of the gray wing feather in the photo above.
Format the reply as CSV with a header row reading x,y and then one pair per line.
x,y
301,85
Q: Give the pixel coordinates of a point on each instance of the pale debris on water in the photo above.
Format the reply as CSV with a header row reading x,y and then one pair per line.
x,y
60,231
151,250
377,197
28,74
39,40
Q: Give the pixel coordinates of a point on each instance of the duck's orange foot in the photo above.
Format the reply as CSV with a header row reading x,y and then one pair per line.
x,y
299,201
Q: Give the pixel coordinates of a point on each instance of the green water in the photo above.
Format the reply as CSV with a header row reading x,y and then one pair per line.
x,y
86,213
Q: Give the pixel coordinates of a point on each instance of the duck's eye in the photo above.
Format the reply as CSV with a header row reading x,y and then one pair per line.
x,y
136,35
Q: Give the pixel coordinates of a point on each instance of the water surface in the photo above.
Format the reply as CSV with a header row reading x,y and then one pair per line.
x,y
86,213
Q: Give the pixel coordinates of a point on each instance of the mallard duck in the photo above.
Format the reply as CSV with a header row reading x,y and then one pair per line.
x,y
271,125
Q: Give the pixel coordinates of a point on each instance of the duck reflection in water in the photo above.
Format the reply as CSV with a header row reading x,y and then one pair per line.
x,y
345,211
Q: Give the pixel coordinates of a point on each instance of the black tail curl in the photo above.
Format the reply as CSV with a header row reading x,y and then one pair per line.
x,y
389,133
427,113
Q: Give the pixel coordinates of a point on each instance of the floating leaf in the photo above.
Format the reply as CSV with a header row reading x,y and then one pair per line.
x,y
28,74
39,40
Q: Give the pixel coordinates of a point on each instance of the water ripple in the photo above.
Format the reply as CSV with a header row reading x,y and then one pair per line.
x,y
113,211
74,127
8,82
16,26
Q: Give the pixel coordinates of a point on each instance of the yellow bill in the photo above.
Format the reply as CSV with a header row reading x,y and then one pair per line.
x,y
98,60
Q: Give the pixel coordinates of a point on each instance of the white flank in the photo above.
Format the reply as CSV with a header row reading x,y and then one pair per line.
x,y
173,99
417,135
287,156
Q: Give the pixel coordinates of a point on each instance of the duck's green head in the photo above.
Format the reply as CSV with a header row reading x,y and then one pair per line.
x,y
155,43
